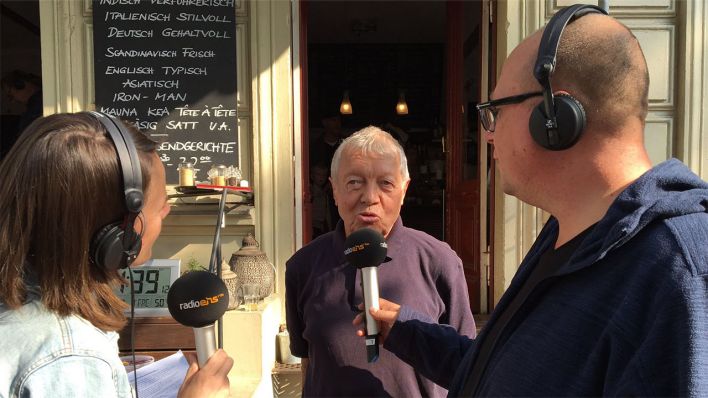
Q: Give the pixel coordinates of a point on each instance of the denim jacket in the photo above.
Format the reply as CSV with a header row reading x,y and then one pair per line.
x,y
45,355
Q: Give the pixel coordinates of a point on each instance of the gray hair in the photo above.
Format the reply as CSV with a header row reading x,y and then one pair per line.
x,y
371,140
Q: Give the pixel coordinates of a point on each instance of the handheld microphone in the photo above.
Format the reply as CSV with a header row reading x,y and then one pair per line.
x,y
366,250
198,299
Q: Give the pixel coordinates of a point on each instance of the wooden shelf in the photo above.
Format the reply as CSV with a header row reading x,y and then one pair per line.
x,y
213,191
202,200
157,336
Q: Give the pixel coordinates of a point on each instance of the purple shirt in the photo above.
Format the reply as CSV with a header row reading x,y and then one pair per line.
x,y
322,291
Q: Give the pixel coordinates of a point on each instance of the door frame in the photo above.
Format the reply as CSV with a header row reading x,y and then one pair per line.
x,y
301,136
487,180
481,262
459,192
301,144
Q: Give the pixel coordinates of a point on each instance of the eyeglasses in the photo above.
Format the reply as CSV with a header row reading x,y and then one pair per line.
x,y
488,111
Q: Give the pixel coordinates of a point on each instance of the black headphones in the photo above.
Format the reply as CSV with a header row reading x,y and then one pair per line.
x,y
116,245
557,123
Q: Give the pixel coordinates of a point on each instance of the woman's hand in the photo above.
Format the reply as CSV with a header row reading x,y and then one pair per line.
x,y
209,381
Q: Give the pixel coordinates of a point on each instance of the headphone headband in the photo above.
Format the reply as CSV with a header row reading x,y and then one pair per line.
x,y
546,60
128,159
544,123
117,245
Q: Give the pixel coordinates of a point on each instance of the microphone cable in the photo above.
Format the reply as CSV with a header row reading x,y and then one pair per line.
x,y
216,259
132,310
132,331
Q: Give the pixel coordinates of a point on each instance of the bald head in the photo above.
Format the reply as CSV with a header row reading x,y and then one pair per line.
x,y
601,63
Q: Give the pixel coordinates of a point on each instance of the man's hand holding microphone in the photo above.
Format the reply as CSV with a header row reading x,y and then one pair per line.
x,y
386,315
366,250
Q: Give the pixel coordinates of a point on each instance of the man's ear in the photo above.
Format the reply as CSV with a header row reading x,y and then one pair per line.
x,y
405,189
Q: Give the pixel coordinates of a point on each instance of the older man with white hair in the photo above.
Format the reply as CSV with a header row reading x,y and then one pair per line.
x,y
369,181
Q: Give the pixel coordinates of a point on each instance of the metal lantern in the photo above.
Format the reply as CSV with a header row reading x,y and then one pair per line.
x,y
252,266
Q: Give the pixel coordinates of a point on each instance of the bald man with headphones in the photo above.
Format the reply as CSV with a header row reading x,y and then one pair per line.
x,y
612,298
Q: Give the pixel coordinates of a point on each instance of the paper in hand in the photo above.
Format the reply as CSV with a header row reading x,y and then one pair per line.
x,y
161,379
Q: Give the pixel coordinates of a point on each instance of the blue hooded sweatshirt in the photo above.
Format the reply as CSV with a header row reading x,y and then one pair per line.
x,y
627,314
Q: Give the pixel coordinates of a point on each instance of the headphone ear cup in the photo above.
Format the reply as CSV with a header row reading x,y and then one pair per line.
x,y
570,116
537,126
571,120
107,250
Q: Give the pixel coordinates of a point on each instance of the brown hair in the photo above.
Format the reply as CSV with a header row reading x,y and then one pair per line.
x,y
61,182
605,70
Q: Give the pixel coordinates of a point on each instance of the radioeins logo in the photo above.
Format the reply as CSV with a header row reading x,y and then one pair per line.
x,y
356,248
361,246
201,303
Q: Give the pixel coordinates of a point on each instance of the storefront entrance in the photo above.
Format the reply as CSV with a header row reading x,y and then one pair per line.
x,y
414,69
20,69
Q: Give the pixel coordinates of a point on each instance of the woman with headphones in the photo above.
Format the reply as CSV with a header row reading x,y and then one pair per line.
x,y
82,196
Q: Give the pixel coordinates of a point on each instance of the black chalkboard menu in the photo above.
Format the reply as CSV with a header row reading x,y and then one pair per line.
x,y
169,67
